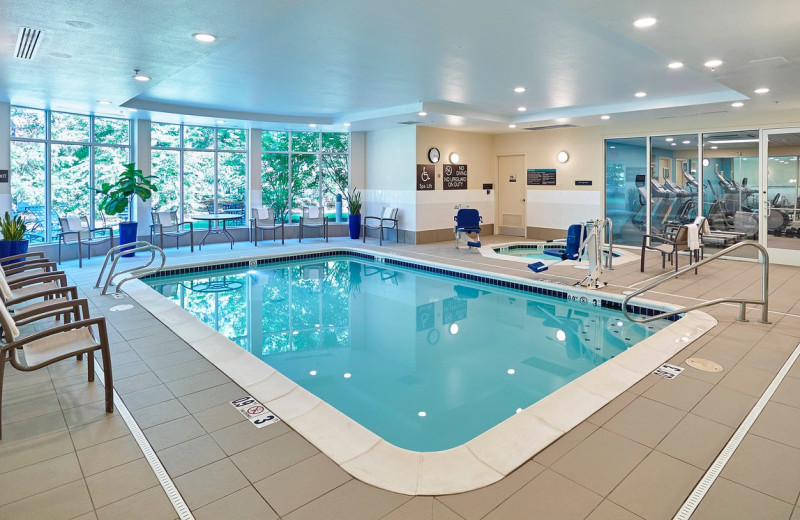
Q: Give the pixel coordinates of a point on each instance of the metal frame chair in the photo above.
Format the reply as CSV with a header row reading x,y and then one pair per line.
x,y
388,215
670,243
265,219
166,223
320,221
76,230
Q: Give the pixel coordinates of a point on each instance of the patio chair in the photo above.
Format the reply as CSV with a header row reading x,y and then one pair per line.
x,y
48,286
387,220
265,219
51,345
76,230
313,217
674,240
24,269
167,223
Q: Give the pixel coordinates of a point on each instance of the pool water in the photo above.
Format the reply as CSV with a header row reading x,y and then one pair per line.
x,y
425,361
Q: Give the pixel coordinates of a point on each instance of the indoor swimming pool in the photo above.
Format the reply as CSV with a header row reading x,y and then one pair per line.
x,y
535,251
424,360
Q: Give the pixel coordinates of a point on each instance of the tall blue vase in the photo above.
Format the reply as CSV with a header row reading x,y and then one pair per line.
x,y
127,234
354,221
11,248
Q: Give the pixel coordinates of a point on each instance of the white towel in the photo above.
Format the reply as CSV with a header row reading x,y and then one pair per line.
x,y
703,227
313,212
692,237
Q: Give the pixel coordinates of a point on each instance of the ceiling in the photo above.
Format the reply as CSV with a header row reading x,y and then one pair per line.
x,y
289,63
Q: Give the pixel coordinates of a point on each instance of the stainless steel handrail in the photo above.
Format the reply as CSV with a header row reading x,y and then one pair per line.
x,y
133,272
610,256
764,301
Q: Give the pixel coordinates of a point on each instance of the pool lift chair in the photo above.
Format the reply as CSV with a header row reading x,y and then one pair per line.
x,y
468,222
592,247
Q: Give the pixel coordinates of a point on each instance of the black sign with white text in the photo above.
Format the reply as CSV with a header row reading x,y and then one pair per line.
x,y
425,175
542,177
455,177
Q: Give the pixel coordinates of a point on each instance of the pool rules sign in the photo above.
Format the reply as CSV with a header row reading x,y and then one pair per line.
x,y
455,177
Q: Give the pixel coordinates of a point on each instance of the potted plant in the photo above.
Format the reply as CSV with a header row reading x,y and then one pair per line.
x,y
354,209
116,198
13,230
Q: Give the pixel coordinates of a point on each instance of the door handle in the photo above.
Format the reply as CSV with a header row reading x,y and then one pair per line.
x,y
522,200
768,205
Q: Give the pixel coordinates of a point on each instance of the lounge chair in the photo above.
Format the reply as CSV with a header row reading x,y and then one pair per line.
x,y
54,344
313,217
76,230
167,223
265,220
387,220
25,265
468,222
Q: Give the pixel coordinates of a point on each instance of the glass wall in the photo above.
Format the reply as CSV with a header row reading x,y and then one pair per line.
x,y
626,198
200,169
304,168
673,186
57,159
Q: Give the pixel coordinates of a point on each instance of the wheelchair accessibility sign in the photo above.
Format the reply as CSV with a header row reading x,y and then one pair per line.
x,y
425,176
254,411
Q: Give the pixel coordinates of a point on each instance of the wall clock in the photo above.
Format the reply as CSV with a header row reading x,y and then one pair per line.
x,y
433,155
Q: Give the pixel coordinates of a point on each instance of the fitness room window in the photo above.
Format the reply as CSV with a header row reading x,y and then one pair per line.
x,y
673,181
625,194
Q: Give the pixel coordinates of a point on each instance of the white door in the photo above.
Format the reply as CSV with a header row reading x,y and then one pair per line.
x,y
511,187
780,185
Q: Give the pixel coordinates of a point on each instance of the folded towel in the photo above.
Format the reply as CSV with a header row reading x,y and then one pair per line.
x,y
703,227
313,212
692,237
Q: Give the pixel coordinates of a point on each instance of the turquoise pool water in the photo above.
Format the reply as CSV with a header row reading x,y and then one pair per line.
x,y
425,361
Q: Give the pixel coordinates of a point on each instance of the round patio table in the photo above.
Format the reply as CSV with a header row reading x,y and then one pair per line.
x,y
216,230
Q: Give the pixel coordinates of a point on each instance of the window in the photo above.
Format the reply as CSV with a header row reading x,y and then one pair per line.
x,y
56,160
303,168
200,169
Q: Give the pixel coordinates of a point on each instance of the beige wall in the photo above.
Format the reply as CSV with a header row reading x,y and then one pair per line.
x,y
474,150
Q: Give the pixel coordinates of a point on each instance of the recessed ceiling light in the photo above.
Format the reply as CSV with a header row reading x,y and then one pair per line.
x,y
348,375
519,90
612,146
562,120
675,65
312,373
762,90
645,22
139,76
673,144
715,147
686,142
422,114
312,125
454,329
737,104
521,109
711,64
606,116
512,125
422,413
347,125
669,139
220,121
103,102
204,37
132,110
640,94
511,371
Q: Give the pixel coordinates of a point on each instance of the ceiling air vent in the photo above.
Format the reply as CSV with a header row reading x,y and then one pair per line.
x,y
27,43
410,123
550,127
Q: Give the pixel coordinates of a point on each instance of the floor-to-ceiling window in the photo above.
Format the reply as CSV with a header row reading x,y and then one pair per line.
x,y
673,183
57,160
199,169
303,169
626,195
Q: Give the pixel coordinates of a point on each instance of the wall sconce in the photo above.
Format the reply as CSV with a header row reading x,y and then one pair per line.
x,y
454,158
562,157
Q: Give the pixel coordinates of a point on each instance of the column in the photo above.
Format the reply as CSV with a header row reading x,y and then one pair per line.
x,y
5,157
141,155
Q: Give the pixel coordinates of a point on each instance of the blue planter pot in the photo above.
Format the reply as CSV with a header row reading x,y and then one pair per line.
x,y
11,248
354,221
127,234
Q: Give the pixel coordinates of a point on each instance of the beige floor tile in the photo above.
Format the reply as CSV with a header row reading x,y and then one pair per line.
x,y
796,514
219,417
602,461
211,397
372,503
130,370
159,413
476,504
645,421
725,406
101,457
780,423
147,397
190,455
35,426
244,435
319,475
766,466
418,508
210,483
61,503
657,487
245,504
173,432
272,456
111,427
680,392
120,482
563,444
15,454
22,380
696,440
644,384
195,383
175,344
88,516
169,360
608,510
27,394
776,341
135,383
150,504
733,501
788,392
766,359
551,496
85,414
37,478
601,416
748,380
198,366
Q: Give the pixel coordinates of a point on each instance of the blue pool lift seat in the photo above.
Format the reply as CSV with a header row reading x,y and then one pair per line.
x,y
468,221
573,246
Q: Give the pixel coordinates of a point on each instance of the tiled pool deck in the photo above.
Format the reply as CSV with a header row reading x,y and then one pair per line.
x,y
62,457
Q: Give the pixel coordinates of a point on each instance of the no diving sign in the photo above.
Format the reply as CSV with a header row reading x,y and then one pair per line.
x,y
255,412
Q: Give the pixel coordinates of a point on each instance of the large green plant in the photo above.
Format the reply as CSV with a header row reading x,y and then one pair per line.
x,y
354,202
12,228
116,198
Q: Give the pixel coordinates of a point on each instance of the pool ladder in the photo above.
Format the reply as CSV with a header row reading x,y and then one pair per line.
x,y
764,301
133,272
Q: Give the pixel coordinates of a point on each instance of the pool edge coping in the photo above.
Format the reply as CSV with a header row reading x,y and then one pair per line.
x,y
485,459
